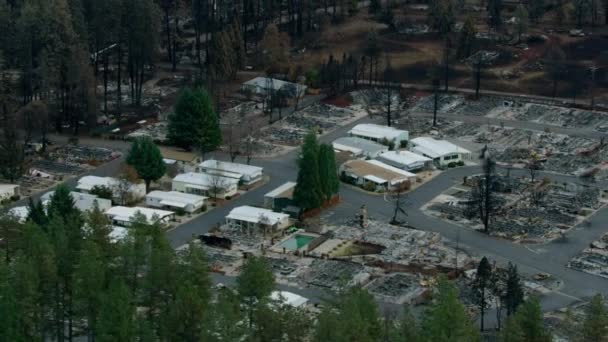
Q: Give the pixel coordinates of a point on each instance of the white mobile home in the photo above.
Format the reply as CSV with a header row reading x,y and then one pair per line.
x,y
380,176
82,201
87,183
246,174
251,217
205,184
175,200
441,151
405,160
359,147
124,216
380,134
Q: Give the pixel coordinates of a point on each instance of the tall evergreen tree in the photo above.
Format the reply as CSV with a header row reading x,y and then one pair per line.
x,y
89,282
446,319
528,319
328,174
514,295
308,193
146,159
595,323
116,315
467,38
254,284
482,285
193,122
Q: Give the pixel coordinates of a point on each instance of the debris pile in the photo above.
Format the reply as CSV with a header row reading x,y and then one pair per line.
x,y
594,259
334,274
400,288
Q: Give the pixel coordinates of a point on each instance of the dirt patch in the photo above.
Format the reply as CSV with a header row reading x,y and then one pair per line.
x,y
342,101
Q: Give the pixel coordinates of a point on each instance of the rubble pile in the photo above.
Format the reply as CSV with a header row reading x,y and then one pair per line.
x,y
594,259
400,288
57,167
402,245
445,103
333,274
156,132
84,154
559,207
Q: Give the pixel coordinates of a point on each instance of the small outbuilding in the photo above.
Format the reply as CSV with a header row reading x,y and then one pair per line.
x,y
175,200
359,147
204,184
125,216
406,160
441,151
280,197
376,176
245,174
381,134
248,217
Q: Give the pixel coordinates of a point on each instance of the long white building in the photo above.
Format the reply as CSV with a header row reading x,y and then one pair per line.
x,y
380,134
82,201
441,151
253,217
205,184
406,160
87,183
246,174
125,216
174,200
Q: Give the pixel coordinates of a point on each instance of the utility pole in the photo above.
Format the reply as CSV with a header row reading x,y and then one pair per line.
x,y
593,69
447,62
477,77
436,91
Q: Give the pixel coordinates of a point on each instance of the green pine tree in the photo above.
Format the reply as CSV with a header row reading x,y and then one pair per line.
x,y
145,157
254,284
328,173
308,193
447,319
89,282
62,203
482,287
595,324
514,293
529,320
115,322
193,122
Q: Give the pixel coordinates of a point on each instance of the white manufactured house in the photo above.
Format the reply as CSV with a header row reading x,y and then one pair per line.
x,y
380,134
8,190
406,160
175,200
280,197
87,183
245,174
378,175
441,151
124,216
359,147
83,202
264,86
204,184
247,217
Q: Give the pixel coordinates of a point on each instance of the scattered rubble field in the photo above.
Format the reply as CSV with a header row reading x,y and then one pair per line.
x,y
594,259
530,213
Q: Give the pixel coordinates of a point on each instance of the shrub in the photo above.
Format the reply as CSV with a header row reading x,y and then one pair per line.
x,y
180,212
15,198
403,144
451,164
204,208
228,198
369,186
460,163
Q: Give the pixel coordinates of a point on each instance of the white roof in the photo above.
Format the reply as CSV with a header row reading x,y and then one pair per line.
x,y
377,131
203,181
436,148
289,298
404,157
8,187
89,182
126,213
176,197
20,213
233,170
375,179
118,233
392,168
75,196
357,145
253,214
281,189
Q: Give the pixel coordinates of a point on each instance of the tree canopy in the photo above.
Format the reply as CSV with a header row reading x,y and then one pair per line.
x,y
145,157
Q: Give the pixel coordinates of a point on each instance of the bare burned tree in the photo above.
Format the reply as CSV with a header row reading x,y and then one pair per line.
x,y
533,166
389,90
248,147
399,200
217,185
233,139
482,194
